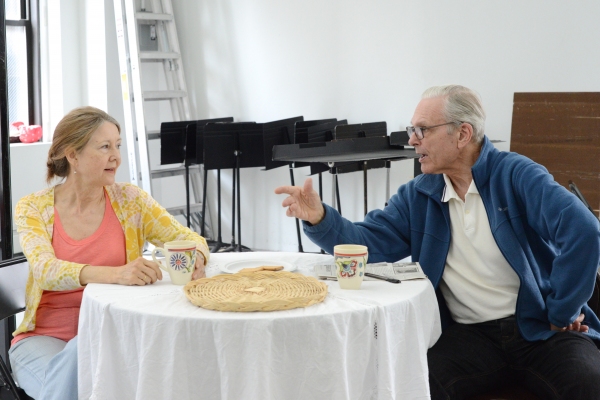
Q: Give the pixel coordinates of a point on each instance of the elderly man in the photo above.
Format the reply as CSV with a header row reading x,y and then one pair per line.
x,y
512,255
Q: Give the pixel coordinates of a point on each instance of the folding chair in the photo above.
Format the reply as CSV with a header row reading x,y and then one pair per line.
x,y
13,278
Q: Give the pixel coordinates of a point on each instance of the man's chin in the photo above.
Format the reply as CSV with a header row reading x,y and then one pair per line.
x,y
426,169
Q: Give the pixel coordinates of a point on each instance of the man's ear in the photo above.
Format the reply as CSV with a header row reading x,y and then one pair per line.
x,y
465,134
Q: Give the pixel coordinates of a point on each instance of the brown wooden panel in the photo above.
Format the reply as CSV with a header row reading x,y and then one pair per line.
x,y
561,131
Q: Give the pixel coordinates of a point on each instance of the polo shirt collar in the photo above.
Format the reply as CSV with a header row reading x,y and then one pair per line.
x,y
450,193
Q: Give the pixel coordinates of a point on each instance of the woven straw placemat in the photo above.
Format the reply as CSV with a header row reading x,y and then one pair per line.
x,y
256,291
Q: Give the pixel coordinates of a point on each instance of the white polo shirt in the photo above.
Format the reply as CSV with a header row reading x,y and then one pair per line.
x,y
478,283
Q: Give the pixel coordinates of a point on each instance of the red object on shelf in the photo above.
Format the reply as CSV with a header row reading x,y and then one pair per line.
x,y
30,134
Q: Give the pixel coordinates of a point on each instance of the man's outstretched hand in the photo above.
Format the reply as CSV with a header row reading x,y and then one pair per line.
x,y
303,202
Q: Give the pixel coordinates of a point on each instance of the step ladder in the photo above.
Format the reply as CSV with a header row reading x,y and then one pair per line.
x,y
155,18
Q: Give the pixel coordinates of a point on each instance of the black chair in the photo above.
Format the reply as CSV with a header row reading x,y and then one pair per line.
x,y
518,392
13,278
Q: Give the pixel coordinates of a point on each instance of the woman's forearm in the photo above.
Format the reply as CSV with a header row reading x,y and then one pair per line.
x,y
95,274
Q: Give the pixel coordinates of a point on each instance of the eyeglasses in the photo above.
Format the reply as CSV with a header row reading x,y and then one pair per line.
x,y
420,130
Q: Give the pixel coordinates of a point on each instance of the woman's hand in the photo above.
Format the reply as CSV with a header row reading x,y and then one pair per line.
x,y
199,271
138,272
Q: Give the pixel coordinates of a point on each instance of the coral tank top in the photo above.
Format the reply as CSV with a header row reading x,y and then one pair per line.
x,y
58,312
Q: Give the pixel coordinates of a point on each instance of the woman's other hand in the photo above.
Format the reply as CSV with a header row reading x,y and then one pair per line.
x,y
138,272
199,270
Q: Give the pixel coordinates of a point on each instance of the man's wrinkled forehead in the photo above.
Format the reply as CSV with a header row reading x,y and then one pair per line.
x,y
429,111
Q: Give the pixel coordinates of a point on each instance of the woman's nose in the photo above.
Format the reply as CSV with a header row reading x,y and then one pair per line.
x,y
116,153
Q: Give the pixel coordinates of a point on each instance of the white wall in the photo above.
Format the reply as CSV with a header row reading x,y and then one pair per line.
x,y
27,174
263,60
82,69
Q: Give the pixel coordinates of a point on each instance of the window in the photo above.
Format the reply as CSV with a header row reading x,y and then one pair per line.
x,y
22,67
19,71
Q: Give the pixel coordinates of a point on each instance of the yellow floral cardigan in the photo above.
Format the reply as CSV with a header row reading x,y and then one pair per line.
x,y
141,217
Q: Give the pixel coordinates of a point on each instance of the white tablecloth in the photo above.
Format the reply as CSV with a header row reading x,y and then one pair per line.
x,y
150,342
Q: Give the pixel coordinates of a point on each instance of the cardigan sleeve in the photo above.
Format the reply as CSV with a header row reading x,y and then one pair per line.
x,y
160,226
34,218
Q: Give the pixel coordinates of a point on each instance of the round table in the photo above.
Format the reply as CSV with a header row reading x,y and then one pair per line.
x,y
150,342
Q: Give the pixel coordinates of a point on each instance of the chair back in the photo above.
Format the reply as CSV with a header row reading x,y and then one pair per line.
x,y
594,301
13,278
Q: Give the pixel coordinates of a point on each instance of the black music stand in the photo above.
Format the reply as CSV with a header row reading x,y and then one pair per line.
x,y
190,158
305,132
346,155
278,133
217,243
234,146
175,139
319,132
357,131
183,142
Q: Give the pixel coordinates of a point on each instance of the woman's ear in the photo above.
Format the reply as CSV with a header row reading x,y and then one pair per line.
x,y
71,156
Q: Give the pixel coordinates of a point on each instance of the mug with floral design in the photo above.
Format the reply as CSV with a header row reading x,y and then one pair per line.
x,y
350,263
180,260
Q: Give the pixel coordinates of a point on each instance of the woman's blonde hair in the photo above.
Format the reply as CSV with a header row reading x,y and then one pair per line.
x,y
73,132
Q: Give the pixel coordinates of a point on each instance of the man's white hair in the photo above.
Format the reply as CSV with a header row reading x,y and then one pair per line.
x,y
461,105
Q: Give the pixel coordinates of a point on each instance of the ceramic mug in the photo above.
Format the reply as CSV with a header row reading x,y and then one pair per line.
x,y
350,263
180,258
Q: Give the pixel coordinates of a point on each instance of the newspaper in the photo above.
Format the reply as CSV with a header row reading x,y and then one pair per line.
x,y
400,270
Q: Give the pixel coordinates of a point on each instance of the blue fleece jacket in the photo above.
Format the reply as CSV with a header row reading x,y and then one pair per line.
x,y
546,234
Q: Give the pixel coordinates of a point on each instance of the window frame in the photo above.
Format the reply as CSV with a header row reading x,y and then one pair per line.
x,y
31,24
30,20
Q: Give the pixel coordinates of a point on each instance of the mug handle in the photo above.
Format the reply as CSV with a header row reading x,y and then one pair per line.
x,y
160,264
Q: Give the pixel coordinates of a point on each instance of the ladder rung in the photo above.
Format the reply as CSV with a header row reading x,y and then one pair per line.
x,y
151,134
148,16
164,94
158,55
163,173
179,210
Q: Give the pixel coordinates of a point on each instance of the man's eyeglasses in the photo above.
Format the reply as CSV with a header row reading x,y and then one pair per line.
x,y
420,130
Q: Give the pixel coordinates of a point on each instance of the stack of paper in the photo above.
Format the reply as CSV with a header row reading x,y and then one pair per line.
x,y
399,270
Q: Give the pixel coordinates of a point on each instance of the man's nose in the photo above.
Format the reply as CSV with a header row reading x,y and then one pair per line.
x,y
413,140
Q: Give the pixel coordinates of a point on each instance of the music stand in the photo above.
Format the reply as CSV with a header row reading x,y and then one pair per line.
x,y
190,157
345,155
278,133
315,129
357,131
234,146
175,138
183,142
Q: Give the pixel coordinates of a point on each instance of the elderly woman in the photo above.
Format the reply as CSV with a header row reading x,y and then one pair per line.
x,y
86,229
